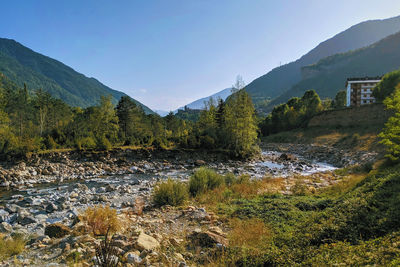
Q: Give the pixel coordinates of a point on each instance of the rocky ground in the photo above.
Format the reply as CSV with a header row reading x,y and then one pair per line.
x,y
55,188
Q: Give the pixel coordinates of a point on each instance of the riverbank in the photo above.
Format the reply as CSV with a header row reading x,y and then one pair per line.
x,y
67,183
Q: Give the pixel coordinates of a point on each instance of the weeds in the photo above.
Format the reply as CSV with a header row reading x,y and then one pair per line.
x,y
170,192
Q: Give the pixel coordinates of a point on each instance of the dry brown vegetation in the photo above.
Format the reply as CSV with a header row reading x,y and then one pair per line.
x,y
102,219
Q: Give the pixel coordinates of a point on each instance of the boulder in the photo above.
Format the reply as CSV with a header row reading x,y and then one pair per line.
x,y
207,239
146,242
57,230
287,157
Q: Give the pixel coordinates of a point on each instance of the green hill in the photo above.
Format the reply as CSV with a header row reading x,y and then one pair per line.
x,y
281,79
22,65
329,75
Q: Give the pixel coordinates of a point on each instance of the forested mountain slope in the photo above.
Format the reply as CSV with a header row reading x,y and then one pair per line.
x,y
22,65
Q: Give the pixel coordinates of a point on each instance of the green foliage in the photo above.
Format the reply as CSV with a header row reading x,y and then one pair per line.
x,y
387,86
391,133
330,73
356,223
170,192
83,143
340,100
294,114
204,179
241,130
24,66
30,122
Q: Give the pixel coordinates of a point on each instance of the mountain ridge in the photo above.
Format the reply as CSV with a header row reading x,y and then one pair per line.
x,y
23,65
279,80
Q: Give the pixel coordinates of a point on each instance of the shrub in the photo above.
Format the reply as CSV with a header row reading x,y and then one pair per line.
x,y
170,192
300,188
101,219
204,179
85,143
50,143
11,246
103,143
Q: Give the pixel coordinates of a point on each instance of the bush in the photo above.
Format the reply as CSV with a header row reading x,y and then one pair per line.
x,y
102,219
50,143
170,192
204,179
85,143
103,144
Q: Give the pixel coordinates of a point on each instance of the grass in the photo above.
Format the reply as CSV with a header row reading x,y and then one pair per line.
x,y
353,222
11,246
357,138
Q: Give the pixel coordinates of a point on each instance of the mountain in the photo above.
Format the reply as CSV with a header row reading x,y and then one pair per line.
x,y
199,104
329,74
162,113
23,65
282,78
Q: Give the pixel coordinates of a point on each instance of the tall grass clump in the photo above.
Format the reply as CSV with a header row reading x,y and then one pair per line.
x,y
11,246
204,179
170,192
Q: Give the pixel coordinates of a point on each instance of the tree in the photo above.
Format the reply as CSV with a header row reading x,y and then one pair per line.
x,y
340,100
131,120
42,102
386,86
391,133
240,124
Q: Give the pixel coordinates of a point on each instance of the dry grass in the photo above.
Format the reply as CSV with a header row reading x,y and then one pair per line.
x,y
250,233
347,183
101,219
11,246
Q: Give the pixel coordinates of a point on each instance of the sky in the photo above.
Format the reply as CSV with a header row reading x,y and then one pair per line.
x,y
169,53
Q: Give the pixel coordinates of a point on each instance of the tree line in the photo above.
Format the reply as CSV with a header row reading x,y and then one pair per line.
x,y
34,121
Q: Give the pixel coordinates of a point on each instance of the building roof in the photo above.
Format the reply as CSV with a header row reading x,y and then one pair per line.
x,y
363,79
366,78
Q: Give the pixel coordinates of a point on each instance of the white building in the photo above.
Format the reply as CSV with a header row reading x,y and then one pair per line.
x,y
359,90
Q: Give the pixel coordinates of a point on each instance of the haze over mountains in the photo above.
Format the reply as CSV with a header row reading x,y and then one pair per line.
x,y
363,49
328,76
281,79
22,65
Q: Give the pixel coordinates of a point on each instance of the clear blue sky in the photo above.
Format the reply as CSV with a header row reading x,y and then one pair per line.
x,y
167,53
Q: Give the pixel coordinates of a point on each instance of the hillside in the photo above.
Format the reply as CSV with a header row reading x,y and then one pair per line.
x,y
281,79
329,75
199,104
23,65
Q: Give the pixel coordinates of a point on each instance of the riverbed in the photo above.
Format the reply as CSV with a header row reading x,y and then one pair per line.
x,y
30,208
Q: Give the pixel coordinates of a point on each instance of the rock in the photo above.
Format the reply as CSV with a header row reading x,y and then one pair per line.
x,y
200,162
132,257
26,220
51,208
287,157
3,215
207,239
57,230
5,227
146,242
